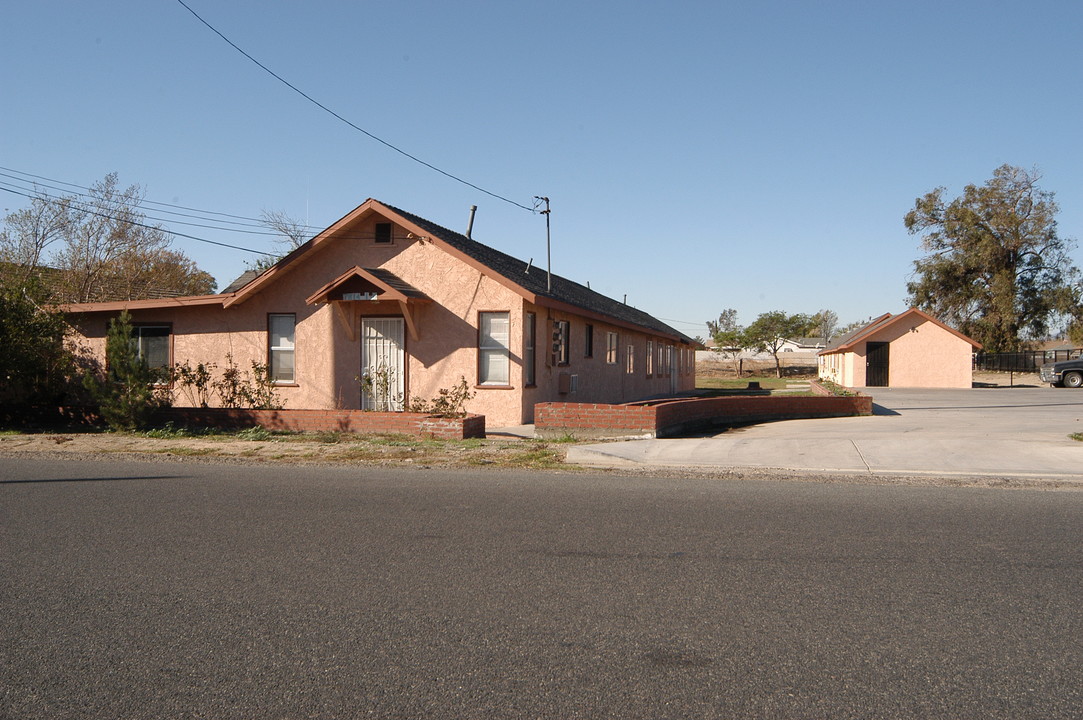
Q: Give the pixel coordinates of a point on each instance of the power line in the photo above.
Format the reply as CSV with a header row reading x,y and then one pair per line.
x,y
37,190
49,198
251,221
331,112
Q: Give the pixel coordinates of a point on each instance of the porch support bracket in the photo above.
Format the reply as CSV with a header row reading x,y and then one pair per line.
x,y
347,316
410,324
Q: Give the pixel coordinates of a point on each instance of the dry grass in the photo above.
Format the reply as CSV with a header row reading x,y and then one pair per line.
x,y
261,446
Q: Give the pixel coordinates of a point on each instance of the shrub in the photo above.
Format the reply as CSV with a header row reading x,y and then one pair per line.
x,y
128,394
448,403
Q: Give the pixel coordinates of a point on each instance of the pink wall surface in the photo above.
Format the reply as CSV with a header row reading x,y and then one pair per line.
x,y
922,355
328,361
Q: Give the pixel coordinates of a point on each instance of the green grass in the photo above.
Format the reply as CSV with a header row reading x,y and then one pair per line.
x,y
718,383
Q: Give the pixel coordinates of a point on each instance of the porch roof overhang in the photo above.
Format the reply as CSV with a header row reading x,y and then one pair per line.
x,y
391,290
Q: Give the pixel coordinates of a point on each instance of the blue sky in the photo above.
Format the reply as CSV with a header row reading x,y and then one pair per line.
x,y
697,155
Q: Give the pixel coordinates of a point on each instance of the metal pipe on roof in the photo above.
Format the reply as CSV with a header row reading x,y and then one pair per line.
x,y
470,224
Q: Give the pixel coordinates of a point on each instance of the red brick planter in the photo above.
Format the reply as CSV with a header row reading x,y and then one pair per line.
x,y
353,421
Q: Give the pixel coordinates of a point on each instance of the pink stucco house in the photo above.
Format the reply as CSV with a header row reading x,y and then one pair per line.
x,y
384,293
911,349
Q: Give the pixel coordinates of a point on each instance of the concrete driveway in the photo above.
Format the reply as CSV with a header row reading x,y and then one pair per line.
x,y
1001,432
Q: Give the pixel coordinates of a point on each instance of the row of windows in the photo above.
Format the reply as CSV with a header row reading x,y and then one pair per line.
x,y
494,350
152,345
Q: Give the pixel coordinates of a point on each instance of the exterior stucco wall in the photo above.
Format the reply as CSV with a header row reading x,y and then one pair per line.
x,y
922,355
328,361
597,379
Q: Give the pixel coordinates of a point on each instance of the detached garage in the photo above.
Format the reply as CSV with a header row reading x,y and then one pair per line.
x,y
911,349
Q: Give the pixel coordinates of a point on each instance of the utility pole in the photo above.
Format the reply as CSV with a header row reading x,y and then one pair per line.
x,y
548,253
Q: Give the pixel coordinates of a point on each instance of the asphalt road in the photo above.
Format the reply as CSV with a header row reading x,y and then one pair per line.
x,y
171,590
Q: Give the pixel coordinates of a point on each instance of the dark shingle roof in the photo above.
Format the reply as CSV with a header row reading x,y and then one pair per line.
x,y
534,281
868,327
246,277
394,282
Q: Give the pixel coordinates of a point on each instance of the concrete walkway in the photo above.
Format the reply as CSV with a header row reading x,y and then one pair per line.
x,y
992,432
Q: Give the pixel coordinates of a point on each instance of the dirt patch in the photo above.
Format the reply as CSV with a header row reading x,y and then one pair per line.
x,y
297,448
1006,379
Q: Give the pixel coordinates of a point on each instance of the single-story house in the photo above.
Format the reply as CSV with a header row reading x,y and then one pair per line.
x,y
384,306
911,349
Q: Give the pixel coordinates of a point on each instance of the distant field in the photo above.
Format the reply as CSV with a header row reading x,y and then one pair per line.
x,y
732,383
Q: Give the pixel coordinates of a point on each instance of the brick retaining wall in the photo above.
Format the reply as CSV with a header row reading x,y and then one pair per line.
x,y
673,417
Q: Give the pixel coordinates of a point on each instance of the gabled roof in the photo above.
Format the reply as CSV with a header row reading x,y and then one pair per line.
x,y
389,284
851,340
528,281
521,277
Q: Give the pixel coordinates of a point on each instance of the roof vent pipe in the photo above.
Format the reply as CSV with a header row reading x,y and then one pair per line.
x,y
470,224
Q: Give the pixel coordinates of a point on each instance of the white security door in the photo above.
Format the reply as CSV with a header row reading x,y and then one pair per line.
x,y
383,364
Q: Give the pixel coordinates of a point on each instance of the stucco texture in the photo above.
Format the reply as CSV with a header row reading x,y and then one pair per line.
x,y
441,347
923,353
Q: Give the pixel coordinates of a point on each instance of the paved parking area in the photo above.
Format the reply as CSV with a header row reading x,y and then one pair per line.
x,y
1002,432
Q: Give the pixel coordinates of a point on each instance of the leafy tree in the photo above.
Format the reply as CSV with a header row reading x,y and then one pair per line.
x,y
995,266
728,336
126,396
102,246
769,331
36,366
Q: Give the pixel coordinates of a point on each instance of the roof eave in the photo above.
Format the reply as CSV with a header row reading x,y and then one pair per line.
x,y
156,303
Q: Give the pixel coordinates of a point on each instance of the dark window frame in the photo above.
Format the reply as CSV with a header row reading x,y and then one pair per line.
x,y
530,350
383,233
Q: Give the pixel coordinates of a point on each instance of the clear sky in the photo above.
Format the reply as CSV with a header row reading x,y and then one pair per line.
x,y
698,155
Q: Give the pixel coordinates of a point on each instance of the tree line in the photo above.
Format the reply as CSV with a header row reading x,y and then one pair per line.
x,y
769,332
99,246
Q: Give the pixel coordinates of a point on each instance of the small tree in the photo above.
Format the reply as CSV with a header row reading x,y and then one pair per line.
x,y
728,336
126,395
769,331
824,324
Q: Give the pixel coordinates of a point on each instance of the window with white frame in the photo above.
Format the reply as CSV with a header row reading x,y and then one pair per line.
x,y
650,358
494,332
630,360
611,348
280,347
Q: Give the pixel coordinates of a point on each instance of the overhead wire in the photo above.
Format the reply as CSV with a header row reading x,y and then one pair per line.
x,y
85,191
356,127
86,194
82,208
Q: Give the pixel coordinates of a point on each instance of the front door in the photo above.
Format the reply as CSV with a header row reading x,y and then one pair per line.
x,y
383,364
876,364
